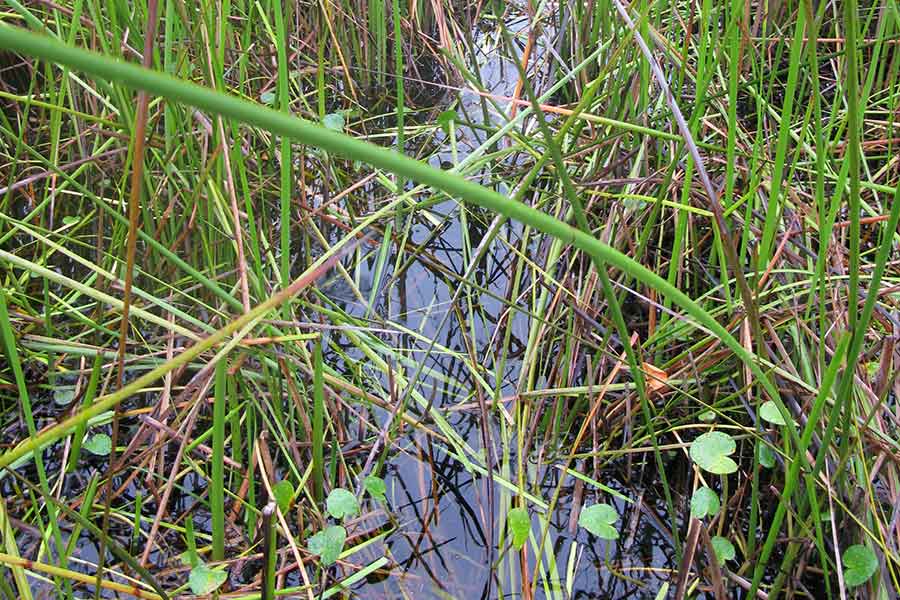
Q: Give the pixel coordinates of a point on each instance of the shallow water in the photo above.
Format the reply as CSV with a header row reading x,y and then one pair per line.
x,y
445,542
443,546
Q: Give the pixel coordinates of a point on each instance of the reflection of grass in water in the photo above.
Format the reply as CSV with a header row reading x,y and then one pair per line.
x,y
335,286
493,336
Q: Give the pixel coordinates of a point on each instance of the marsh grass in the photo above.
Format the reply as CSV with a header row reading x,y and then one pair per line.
x,y
454,259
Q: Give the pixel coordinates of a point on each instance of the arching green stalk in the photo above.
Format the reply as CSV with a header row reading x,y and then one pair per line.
x,y
306,132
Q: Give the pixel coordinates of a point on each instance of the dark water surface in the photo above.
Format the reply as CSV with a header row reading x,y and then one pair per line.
x,y
444,540
443,545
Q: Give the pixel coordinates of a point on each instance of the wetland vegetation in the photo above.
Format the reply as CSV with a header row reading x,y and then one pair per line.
x,y
383,299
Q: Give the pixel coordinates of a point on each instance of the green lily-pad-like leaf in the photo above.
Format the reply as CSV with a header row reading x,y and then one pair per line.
x,y
765,455
283,492
704,502
375,486
446,118
334,121
707,416
189,558
519,524
770,413
723,548
99,444
860,563
328,544
711,451
64,396
341,504
598,519
204,581
71,220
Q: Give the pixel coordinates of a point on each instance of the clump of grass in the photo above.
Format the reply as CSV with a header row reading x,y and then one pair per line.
x,y
649,298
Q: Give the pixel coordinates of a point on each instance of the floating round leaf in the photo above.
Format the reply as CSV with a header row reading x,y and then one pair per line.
x,y
704,502
375,486
723,548
328,544
711,451
769,412
860,563
765,455
598,519
519,525
99,444
707,416
334,121
64,396
341,504
204,581
283,492
189,558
